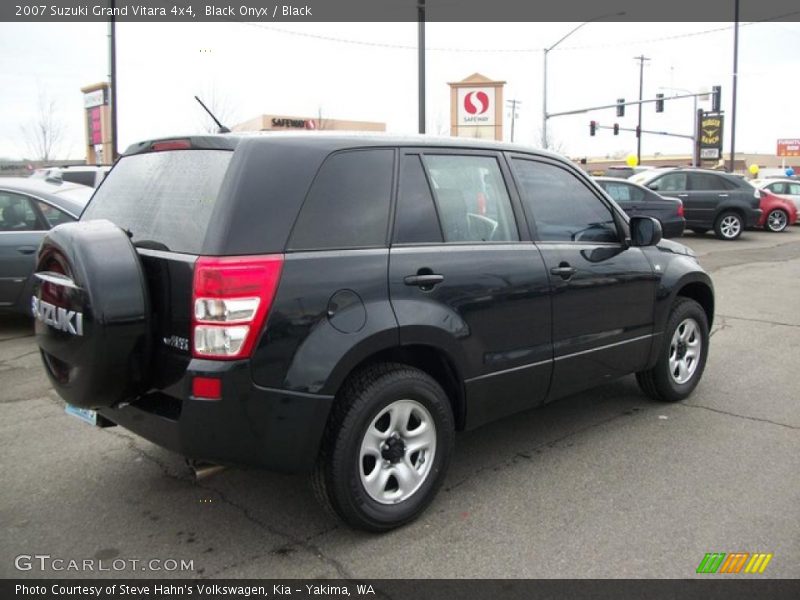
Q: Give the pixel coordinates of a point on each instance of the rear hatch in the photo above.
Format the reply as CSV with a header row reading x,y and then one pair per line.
x,y
165,201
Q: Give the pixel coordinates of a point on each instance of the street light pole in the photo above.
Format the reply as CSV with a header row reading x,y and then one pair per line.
x,y
545,52
735,82
641,60
421,62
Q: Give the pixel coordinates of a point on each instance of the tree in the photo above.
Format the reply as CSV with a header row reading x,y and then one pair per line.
x,y
45,133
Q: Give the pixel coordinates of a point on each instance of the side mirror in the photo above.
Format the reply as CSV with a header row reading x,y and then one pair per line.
x,y
645,231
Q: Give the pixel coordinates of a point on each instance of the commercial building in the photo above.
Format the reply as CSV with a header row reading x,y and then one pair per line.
x,y
288,123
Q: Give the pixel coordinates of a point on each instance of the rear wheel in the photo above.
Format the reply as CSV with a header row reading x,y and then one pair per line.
x,y
728,226
386,448
682,359
777,220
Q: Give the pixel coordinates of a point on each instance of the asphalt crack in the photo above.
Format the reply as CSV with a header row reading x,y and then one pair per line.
x,y
294,541
722,325
15,358
753,320
163,467
738,416
528,455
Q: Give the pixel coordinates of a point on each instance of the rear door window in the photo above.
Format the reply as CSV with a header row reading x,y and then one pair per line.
x,y
416,221
17,213
671,182
348,203
53,215
163,199
471,198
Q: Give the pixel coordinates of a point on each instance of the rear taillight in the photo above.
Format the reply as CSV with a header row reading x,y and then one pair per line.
x,y
170,145
230,303
680,209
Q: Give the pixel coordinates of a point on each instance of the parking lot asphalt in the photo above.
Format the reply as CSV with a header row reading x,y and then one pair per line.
x,y
603,484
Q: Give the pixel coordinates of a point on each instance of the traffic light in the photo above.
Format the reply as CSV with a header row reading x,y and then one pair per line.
x,y
620,107
592,127
659,102
716,98
616,128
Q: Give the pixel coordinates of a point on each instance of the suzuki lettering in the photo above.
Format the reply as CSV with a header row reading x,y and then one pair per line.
x,y
69,321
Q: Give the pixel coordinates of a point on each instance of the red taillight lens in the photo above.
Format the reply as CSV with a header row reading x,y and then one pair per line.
x,y
680,209
231,300
208,388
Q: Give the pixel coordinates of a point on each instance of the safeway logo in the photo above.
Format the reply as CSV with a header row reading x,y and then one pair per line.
x,y
482,105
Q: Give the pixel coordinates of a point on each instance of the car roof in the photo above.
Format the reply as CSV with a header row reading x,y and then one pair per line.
x,y
760,182
339,140
71,197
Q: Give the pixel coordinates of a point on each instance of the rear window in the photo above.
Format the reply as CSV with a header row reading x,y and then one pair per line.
x,y
163,199
82,177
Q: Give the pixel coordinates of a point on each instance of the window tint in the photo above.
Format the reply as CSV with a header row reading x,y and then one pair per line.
x,y
563,208
163,197
471,199
82,177
707,182
53,215
348,203
17,214
416,221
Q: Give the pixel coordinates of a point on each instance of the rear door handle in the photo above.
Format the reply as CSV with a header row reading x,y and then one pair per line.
x,y
26,249
723,195
683,195
424,281
564,270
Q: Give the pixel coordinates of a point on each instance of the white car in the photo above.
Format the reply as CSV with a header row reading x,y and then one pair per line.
x,y
91,175
786,188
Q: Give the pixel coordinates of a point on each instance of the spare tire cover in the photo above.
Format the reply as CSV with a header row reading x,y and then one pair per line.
x,y
91,314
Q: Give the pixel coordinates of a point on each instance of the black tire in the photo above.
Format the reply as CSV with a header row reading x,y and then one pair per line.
x,y
337,479
658,382
729,225
700,230
777,220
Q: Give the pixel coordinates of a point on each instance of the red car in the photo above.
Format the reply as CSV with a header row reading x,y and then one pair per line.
x,y
776,213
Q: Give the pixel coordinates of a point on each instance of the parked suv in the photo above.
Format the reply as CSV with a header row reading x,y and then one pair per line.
x,y
711,199
344,304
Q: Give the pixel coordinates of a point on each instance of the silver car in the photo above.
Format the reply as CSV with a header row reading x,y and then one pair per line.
x,y
28,208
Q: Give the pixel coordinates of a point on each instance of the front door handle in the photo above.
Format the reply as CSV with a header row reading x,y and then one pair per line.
x,y
723,195
26,249
564,270
424,281
683,195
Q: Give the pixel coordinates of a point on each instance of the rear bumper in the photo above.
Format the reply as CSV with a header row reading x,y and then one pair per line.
x,y
673,228
273,429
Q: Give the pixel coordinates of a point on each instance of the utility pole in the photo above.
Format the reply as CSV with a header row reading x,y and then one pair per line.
x,y
421,64
112,76
642,58
735,80
512,103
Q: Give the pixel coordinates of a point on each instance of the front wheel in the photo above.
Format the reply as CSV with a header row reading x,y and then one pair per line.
x,y
386,448
728,226
682,359
777,220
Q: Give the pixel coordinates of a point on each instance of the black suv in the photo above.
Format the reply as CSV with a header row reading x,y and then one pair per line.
x,y
344,304
711,199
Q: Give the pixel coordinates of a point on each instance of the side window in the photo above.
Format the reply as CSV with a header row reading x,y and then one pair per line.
x,y
671,182
563,208
416,221
82,177
794,189
471,198
348,203
53,215
620,193
707,182
777,188
17,214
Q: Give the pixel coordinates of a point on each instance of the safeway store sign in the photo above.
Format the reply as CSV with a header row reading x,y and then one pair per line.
x,y
789,147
